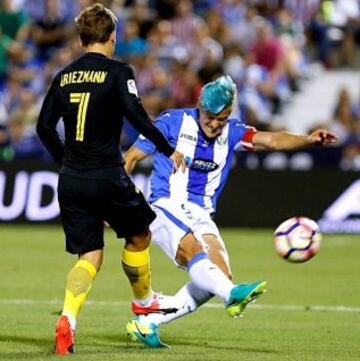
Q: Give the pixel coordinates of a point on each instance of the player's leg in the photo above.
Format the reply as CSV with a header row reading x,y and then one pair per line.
x,y
84,237
194,296
208,276
204,273
145,327
240,295
136,265
78,285
130,216
172,232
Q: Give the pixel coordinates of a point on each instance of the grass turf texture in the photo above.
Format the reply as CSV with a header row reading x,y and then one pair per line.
x,y
34,265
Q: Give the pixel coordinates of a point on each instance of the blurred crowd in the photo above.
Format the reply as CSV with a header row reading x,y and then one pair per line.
x,y
176,46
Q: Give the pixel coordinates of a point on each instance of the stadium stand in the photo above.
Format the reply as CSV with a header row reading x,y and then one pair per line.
x,y
268,47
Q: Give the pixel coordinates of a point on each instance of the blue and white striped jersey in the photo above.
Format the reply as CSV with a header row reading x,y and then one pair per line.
x,y
209,160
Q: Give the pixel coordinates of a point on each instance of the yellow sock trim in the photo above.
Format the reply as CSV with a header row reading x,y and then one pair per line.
x,y
87,265
136,266
78,286
136,259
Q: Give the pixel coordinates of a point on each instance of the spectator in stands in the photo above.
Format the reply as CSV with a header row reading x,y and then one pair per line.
x,y
131,44
292,38
185,23
336,25
269,53
344,120
50,32
346,17
234,63
158,96
245,33
9,49
268,50
232,13
183,44
218,30
205,50
165,46
185,85
13,23
256,90
28,109
143,16
27,69
302,10
10,96
23,143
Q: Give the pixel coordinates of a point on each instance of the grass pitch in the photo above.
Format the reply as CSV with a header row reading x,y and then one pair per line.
x,y
311,311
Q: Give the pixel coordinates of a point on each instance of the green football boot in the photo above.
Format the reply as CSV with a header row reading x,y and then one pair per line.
x,y
148,335
243,294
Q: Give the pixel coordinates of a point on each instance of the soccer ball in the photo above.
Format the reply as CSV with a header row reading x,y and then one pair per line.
x,y
297,239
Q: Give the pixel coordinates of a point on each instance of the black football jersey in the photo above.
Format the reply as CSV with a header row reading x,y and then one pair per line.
x,y
92,95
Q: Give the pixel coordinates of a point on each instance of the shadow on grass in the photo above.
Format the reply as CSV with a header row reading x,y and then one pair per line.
x,y
124,342
238,348
45,347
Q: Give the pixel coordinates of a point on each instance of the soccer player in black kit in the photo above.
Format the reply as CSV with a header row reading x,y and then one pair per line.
x,y
92,95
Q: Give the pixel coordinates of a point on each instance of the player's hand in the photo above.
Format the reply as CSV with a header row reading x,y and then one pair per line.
x,y
178,159
322,137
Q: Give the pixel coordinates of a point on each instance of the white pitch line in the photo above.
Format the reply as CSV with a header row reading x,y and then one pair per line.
x,y
297,308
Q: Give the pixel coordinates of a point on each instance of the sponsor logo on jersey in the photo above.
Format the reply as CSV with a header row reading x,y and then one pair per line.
x,y
203,165
132,87
188,137
221,140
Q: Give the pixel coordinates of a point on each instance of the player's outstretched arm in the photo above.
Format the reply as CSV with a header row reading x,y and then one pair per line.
x,y
131,157
288,141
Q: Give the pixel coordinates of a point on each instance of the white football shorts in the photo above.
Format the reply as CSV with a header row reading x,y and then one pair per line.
x,y
175,219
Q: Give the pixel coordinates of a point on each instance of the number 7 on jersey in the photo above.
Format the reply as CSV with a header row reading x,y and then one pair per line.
x,y
83,100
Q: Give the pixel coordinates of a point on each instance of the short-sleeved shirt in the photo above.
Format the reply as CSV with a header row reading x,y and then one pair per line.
x,y
209,160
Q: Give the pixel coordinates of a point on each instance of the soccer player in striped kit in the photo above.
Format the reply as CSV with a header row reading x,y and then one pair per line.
x,y
185,202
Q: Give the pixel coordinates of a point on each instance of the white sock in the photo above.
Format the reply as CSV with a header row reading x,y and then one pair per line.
x,y
207,276
71,318
145,302
194,297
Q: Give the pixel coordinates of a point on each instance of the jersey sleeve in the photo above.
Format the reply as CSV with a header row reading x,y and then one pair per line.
x,y
46,126
136,114
144,144
242,136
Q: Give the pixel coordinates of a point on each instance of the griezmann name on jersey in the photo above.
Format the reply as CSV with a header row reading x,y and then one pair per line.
x,y
92,95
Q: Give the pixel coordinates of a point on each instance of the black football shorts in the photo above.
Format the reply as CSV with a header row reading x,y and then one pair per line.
x,y
86,201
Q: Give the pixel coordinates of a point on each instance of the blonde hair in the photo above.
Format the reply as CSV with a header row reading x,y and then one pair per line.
x,y
95,24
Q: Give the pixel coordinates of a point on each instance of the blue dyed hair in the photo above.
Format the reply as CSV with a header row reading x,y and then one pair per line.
x,y
218,95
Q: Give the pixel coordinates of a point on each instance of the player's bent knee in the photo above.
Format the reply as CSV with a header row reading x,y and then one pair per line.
x,y
139,242
94,257
188,248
